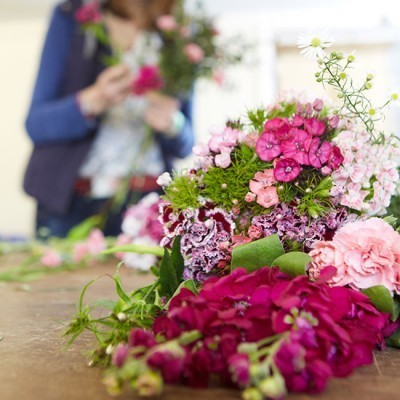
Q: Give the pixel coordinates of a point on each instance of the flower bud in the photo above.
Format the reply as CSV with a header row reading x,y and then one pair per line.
x,y
394,97
252,393
351,58
273,387
149,384
368,85
121,317
109,349
370,77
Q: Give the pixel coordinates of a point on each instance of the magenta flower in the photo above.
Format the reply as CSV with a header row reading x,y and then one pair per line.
x,y
277,125
148,78
336,158
318,105
268,147
240,369
297,147
120,355
314,126
319,155
88,13
286,170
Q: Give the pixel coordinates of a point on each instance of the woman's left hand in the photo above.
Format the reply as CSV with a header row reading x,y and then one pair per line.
x,y
160,111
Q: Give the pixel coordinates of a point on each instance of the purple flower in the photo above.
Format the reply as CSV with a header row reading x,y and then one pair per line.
x,y
286,170
120,355
268,147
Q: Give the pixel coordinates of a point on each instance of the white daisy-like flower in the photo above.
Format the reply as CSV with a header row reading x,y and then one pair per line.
x,y
313,44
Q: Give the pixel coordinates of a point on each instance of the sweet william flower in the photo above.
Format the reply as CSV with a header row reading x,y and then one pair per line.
x,y
286,170
267,197
268,147
297,147
239,366
314,127
148,78
319,154
164,180
51,258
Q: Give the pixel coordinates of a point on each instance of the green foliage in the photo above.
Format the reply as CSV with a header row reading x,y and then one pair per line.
x,y
286,110
394,208
183,192
383,300
257,254
228,187
293,263
257,118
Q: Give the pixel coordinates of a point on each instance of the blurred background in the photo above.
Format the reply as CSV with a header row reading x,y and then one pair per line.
x,y
274,64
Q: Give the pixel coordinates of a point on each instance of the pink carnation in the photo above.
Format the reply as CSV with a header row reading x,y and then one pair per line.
x,y
267,197
365,253
148,78
194,53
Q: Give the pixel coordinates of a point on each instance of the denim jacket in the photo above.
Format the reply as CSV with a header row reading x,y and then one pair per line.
x,y
61,135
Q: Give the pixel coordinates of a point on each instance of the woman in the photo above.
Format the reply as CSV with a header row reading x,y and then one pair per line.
x,y
87,128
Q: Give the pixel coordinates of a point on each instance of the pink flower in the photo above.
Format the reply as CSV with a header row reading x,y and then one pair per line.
x,y
262,180
365,253
148,78
336,158
120,355
297,147
219,77
286,170
268,147
201,150
96,242
88,13
318,105
166,23
223,160
267,197
80,252
250,197
333,121
51,258
319,155
194,53
314,126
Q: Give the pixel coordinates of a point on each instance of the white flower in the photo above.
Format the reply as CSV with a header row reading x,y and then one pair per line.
x,y
313,44
164,180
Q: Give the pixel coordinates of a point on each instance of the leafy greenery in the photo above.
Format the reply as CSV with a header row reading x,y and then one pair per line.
x,y
183,192
228,187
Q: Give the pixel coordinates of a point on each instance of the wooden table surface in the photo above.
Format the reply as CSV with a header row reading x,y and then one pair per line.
x,y
35,365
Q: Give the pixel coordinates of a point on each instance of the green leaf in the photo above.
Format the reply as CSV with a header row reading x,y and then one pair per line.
x,y
121,292
168,280
135,248
394,340
177,259
82,230
258,254
382,299
293,263
391,220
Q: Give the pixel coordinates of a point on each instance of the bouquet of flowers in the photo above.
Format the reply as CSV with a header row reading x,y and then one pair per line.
x,y
190,49
277,271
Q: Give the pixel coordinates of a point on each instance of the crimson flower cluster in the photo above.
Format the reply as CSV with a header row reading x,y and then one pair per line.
x,y
318,331
148,78
296,143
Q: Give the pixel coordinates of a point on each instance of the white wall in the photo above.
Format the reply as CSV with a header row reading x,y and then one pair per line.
x,y
270,26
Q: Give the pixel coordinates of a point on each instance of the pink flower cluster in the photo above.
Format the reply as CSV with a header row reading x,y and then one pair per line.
x,y
320,332
295,143
206,235
194,53
262,189
142,227
368,177
147,79
88,13
81,251
364,254
217,152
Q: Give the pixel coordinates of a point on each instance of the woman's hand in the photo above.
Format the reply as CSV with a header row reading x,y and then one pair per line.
x,y
160,111
112,87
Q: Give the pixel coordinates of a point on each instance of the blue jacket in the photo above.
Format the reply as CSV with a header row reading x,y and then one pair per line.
x,y
61,135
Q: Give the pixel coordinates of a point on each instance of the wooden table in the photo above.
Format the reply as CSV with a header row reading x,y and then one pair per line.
x,y
35,365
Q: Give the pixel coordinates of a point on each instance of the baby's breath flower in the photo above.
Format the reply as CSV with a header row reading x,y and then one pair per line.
x,y
313,44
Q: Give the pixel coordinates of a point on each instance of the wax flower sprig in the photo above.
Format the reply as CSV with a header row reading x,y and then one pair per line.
x,y
334,70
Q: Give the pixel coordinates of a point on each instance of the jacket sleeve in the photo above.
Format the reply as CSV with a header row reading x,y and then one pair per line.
x,y
181,145
51,117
